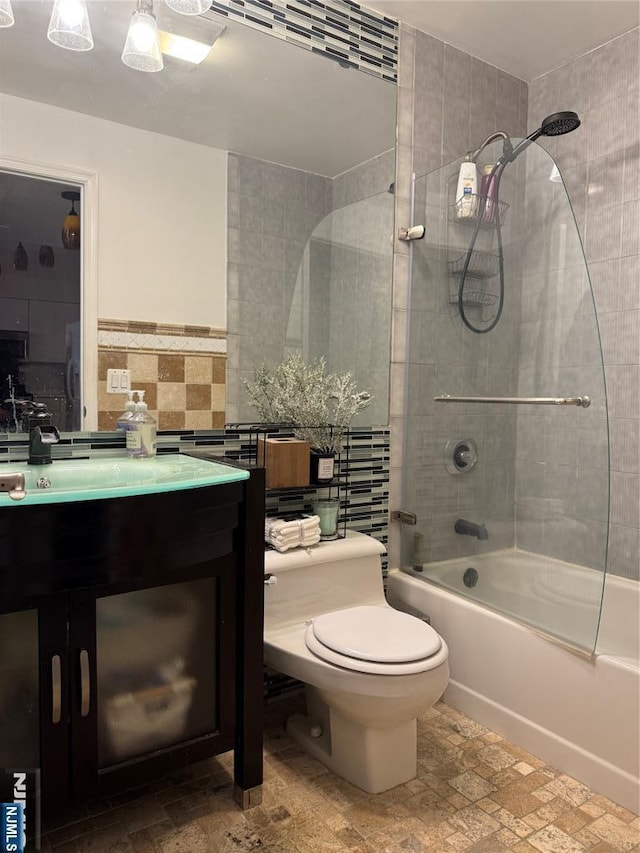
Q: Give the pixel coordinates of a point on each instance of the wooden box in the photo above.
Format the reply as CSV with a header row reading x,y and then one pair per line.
x,y
286,461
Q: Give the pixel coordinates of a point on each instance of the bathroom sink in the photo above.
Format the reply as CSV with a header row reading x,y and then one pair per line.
x,y
70,480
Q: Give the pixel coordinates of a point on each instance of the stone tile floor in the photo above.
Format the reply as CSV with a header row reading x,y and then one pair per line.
x,y
474,792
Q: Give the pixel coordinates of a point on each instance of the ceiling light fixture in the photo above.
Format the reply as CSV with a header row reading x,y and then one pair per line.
x,y
186,49
189,7
142,47
6,14
69,26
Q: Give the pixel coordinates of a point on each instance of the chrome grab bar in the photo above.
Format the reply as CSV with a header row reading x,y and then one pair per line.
x,y
584,402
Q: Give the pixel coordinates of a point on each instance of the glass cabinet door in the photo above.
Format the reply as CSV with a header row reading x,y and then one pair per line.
x,y
19,690
156,668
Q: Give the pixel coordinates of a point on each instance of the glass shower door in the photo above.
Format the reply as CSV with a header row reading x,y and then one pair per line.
x,y
511,497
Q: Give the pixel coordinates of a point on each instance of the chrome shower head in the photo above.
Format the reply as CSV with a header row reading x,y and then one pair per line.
x,y
559,123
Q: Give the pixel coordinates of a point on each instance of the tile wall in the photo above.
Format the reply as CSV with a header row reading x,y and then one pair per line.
x,y
181,369
363,468
309,261
448,102
272,212
600,163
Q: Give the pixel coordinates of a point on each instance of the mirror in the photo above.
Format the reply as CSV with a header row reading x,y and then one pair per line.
x,y
235,205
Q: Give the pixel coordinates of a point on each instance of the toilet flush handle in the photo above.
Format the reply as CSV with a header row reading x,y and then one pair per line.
x,y
270,580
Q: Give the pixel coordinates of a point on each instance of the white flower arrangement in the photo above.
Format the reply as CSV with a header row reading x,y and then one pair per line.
x,y
319,405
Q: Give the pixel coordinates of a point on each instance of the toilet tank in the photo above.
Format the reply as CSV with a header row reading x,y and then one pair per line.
x,y
328,576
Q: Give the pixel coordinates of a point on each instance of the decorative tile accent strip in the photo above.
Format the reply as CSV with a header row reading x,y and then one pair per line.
x,y
340,29
143,341
140,327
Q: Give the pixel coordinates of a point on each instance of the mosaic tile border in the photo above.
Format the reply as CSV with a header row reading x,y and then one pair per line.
x,y
142,327
174,337
365,497
340,29
161,342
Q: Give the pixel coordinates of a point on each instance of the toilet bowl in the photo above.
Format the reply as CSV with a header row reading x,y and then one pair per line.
x,y
369,670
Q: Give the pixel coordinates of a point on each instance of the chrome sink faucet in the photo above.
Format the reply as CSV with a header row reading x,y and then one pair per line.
x,y
40,440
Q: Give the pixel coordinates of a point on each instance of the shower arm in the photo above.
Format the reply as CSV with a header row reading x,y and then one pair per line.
x,y
507,148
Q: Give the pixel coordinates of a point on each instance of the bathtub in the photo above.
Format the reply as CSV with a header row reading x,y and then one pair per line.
x,y
578,712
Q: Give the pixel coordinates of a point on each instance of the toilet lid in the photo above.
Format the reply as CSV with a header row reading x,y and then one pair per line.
x,y
377,634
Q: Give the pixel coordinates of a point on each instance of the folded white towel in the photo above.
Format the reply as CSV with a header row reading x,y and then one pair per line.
x,y
281,526
284,535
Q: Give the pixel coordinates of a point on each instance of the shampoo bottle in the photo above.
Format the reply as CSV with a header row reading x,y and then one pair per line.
x,y
141,432
467,190
488,194
129,409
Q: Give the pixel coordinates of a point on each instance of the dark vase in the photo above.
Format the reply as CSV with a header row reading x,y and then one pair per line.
x,y
46,256
321,467
20,258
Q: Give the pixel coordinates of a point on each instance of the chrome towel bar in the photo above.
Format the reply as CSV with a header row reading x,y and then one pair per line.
x,y
584,402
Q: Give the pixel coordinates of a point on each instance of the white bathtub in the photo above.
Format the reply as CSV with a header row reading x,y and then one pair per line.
x,y
579,713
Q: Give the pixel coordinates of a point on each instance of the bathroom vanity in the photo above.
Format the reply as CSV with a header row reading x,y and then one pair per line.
x,y
131,636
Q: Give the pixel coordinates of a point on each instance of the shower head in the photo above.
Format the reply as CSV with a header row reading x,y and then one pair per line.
x,y
554,125
559,123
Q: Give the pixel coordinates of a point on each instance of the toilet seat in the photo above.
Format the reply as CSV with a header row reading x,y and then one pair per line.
x,y
370,639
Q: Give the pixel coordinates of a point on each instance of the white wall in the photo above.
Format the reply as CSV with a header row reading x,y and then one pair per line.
x,y
161,210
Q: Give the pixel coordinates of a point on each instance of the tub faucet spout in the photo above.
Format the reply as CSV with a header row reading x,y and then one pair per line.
x,y
470,528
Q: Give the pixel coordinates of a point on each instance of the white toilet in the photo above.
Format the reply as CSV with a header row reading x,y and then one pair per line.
x,y
369,670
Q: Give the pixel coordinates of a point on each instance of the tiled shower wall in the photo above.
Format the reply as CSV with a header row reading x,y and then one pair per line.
x,y
272,212
448,103
302,279
600,163
358,241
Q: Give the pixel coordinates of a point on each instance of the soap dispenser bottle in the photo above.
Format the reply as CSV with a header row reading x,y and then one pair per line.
x,y
129,410
141,432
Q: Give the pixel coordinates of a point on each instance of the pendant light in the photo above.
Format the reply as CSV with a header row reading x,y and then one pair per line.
x,y
71,224
69,26
6,14
189,7
142,47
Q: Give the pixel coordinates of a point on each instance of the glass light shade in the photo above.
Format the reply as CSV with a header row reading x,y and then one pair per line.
x,y
69,26
142,47
189,7
71,223
6,14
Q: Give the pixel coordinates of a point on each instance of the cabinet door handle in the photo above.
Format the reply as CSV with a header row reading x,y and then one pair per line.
x,y
85,683
56,690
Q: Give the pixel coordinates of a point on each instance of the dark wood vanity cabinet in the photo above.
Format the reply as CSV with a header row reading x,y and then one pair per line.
x,y
131,639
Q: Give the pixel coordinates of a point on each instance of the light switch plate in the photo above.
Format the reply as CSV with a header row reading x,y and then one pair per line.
x,y
118,381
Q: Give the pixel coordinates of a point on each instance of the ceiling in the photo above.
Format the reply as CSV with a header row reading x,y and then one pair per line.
x,y
254,94
526,38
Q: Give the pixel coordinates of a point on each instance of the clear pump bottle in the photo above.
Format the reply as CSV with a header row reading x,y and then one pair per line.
x,y
141,432
129,410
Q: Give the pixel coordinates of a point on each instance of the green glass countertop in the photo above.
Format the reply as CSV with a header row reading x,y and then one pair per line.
x,y
97,479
